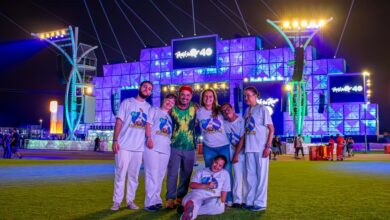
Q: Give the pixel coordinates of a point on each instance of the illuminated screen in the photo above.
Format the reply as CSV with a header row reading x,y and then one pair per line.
x,y
271,97
346,88
194,52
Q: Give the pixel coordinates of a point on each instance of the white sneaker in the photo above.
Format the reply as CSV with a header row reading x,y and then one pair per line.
x,y
132,206
115,207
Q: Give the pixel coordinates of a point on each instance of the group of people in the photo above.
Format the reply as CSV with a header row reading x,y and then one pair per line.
x,y
10,142
164,139
341,144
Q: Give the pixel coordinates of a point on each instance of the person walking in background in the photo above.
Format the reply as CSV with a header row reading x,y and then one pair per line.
x,y
276,147
234,127
182,154
215,140
350,143
97,143
340,145
157,151
15,142
298,144
129,144
259,131
7,147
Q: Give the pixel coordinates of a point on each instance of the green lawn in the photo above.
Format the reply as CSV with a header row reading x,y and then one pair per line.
x,y
297,190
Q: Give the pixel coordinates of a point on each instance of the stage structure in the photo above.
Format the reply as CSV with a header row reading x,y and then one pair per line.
x,y
83,62
239,62
298,35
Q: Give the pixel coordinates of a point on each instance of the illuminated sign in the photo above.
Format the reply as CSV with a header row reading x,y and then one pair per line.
x,y
194,52
270,97
269,103
346,88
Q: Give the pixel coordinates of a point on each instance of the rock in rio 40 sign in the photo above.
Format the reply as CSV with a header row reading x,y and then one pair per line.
x,y
345,88
197,52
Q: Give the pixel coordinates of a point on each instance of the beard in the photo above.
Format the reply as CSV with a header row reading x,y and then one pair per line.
x,y
142,95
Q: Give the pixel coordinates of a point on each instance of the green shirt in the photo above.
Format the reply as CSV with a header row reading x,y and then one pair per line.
x,y
183,137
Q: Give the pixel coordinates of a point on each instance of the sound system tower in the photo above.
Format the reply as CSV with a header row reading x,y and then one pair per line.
x,y
284,101
321,107
237,99
299,57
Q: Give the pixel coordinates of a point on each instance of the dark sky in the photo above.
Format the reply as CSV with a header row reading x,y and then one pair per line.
x,y
28,70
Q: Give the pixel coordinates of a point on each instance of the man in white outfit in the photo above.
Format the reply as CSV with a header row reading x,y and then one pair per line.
x,y
234,127
156,155
259,131
129,144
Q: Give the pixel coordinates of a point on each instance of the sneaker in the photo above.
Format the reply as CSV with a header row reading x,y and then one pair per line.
x,y
151,208
229,204
180,209
236,205
247,207
115,207
159,206
170,204
188,209
132,206
257,208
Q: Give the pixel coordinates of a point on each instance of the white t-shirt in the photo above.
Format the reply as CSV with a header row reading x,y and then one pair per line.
x,y
134,115
256,130
234,131
221,180
213,131
161,127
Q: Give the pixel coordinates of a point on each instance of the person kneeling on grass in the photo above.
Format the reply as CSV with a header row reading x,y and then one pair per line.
x,y
209,188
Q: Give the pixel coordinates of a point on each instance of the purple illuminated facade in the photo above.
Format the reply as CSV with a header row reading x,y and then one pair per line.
x,y
238,59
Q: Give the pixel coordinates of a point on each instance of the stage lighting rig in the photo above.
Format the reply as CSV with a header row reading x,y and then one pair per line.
x,y
83,61
298,34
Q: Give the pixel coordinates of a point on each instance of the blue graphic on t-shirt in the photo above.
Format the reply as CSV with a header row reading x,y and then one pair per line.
x,y
138,119
211,124
165,127
251,126
233,138
208,179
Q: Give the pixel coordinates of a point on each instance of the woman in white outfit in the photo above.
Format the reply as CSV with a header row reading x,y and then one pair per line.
x,y
209,188
157,151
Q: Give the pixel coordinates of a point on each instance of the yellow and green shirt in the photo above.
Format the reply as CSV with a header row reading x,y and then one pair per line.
x,y
183,135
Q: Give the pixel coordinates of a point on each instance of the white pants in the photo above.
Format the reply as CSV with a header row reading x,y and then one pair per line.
x,y
239,180
257,179
155,166
126,162
204,205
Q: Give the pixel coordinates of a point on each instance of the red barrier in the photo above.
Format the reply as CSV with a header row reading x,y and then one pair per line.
x,y
387,149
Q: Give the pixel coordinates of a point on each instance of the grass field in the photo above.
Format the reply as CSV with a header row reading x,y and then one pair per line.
x,y
297,190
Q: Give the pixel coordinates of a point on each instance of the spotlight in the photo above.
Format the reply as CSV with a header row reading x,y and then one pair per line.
x,y
88,90
206,86
246,79
287,88
295,24
172,88
286,24
165,89
215,86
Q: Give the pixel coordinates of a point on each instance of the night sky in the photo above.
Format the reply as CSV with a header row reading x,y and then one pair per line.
x,y
28,68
